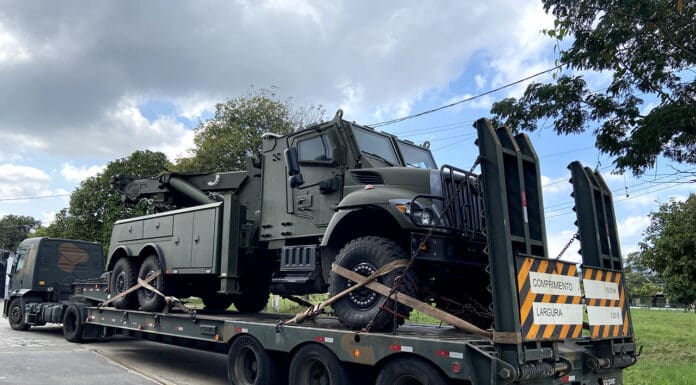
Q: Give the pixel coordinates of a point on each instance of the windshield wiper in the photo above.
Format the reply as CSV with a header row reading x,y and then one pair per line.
x,y
380,157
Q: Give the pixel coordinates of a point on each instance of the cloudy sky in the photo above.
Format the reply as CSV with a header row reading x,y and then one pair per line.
x,y
83,83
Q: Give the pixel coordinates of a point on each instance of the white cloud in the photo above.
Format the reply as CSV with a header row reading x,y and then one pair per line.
x,y
555,185
78,174
11,51
556,240
21,181
633,226
374,59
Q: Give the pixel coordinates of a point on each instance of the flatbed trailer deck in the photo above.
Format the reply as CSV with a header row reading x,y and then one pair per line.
x,y
458,356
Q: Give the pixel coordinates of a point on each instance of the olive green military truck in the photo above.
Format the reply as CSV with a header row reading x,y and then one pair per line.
x,y
333,192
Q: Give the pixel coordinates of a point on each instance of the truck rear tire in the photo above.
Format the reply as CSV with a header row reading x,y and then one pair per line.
x,y
314,364
248,363
16,315
123,277
364,256
149,300
410,371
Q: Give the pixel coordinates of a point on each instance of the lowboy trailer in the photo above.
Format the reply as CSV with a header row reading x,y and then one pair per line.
x,y
553,322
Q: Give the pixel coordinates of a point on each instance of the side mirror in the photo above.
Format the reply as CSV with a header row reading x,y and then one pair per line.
x,y
292,162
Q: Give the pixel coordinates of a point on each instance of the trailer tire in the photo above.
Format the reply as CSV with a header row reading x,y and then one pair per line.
x,y
408,370
123,277
16,315
364,256
73,324
248,363
217,301
315,364
149,300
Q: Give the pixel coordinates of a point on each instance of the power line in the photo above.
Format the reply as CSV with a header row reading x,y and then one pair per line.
x,y
34,197
388,122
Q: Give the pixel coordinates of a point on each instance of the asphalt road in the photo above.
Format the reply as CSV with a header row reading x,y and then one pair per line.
x,y
42,356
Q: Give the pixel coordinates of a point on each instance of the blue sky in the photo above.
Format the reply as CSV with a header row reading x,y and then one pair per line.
x,y
84,83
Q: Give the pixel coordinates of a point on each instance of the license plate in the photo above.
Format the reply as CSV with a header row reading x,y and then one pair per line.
x,y
609,381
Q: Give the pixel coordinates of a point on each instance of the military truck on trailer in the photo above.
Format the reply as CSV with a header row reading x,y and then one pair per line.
x,y
552,323
334,192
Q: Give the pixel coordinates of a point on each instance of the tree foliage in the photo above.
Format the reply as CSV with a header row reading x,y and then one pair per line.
x,y
640,279
94,207
224,142
649,49
14,229
670,246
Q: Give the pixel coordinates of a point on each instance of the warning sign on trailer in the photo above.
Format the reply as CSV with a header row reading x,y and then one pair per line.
x,y
607,309
550,299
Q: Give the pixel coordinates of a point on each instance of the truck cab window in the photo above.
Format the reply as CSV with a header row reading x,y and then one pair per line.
x,y
317,148
21,257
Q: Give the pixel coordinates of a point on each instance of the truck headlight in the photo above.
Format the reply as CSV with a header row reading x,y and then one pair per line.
x,y
420,215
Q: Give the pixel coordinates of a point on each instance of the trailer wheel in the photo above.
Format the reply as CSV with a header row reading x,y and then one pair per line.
x,y
149,300
73,324
248,363
410,371
16,315
123,277
217,301
314,364
365,256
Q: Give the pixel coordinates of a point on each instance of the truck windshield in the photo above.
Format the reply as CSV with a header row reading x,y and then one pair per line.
x,y
375,145
416,156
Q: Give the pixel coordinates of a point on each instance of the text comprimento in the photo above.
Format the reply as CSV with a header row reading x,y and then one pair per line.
x,y
554,284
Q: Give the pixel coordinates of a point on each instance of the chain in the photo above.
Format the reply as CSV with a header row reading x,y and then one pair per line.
x,y
397,281
570,242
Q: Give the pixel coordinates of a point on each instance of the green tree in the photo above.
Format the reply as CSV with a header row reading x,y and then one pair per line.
x,y
14,229
224,142
640,279
94,206
649,49
669,248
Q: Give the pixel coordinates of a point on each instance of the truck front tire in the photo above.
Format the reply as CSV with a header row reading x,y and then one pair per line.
x,y
364,256
123,277
16,315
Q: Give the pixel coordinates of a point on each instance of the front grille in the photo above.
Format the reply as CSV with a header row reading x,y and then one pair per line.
x,y
367,177
465,211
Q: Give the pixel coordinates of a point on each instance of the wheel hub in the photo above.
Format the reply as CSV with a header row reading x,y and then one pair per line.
x,y
149,294
16,314
121,282
363,298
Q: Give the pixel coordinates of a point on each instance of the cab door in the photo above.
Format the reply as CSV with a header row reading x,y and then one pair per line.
x,y
314,203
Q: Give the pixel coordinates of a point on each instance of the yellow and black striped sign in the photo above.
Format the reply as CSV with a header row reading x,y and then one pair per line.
x,y
607,308
550,299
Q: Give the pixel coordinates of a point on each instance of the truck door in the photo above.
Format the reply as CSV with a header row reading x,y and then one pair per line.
x,y
18,270
314,203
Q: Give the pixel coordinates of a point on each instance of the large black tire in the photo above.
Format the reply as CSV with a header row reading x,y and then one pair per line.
x,y
217,302
73,324
314,364
248,363
123,277
408,370
149,300
364,256
255,285
16,315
